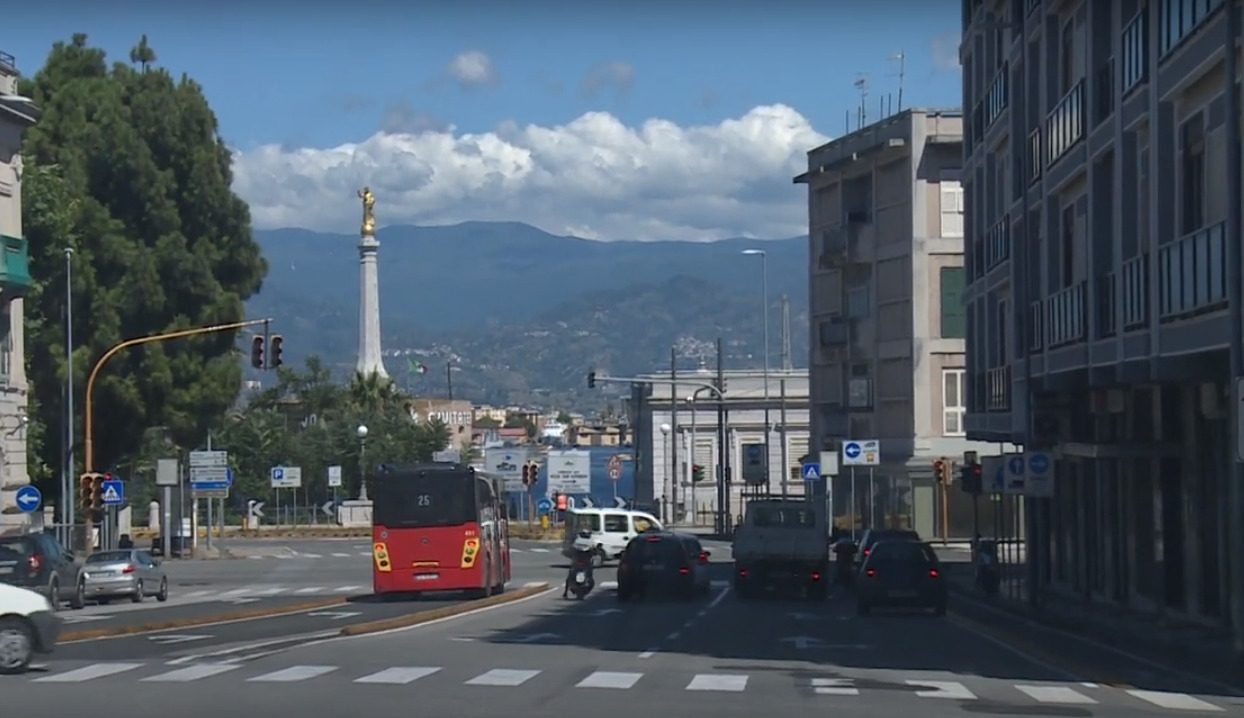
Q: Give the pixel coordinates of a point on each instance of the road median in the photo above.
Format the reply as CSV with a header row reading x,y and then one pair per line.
x,y
91,634
414,619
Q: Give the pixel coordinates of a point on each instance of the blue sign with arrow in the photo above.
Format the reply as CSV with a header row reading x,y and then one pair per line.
x,y
29,499
544,505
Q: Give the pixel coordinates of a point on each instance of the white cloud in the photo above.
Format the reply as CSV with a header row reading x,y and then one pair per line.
x,y
592,177
945,51
473,69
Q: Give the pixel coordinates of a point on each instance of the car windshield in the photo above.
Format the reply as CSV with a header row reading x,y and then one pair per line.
x,y
109,557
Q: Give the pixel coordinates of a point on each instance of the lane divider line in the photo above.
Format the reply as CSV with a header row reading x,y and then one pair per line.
x,y
95,634
688,624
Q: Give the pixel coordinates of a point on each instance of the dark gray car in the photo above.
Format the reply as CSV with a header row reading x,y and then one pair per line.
x,y
36,561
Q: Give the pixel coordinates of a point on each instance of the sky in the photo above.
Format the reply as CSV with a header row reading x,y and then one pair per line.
x,y
648,119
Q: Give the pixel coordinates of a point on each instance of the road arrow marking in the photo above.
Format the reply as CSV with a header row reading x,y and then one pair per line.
x,y
335,615
535,637
176,638
802,642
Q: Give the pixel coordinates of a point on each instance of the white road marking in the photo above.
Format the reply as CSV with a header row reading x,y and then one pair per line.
x,y
943,689
539,550
397,676
171,638
310,555
610,679
341,555
1174,701
269,591
834,687
191,673
718,682
84,619
347,589
648,653
1056,694
293,674
309,589
87,673
508,677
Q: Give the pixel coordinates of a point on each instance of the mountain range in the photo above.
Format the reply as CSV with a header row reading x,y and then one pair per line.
x,y
524,314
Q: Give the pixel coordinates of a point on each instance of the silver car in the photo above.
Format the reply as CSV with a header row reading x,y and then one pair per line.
x,y
128,572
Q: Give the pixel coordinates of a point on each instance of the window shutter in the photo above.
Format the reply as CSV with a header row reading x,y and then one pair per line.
x,y
954,320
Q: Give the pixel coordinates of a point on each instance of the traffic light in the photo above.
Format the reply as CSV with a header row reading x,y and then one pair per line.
x,y
85,490
591,380
277,342
697,473
97,491
970,478
257,352
527,479
941,471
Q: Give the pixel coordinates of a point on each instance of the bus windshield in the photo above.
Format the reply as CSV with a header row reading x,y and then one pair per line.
x,y
425,499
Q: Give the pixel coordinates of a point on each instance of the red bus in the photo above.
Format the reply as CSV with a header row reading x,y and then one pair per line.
x,y
438,527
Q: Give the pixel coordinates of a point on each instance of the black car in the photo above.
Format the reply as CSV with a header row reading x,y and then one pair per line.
x,y
36,561
902,574
872,537
663,562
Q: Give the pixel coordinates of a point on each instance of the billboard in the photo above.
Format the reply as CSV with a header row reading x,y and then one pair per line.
x,y
569,472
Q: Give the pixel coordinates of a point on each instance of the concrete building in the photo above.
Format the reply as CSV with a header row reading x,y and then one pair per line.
x,y
665,460
886,279
457,415
16,114
1098,195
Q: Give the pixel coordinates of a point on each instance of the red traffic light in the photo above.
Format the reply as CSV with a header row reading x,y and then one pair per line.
x,y
976,469
938,466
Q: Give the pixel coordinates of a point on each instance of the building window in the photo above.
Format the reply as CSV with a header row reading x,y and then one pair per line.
x,y
1068,245
1192,167
1068,56
954,321
953,404
952,208
859,302
6,344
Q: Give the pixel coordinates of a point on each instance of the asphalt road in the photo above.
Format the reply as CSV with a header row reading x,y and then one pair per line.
x,y
714,657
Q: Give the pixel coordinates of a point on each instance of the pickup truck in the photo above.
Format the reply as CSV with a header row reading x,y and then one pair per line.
x,y
782,544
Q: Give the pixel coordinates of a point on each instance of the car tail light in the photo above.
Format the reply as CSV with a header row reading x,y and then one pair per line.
x,y
934,573
867,551
871,573
35,561
129,569
684,570
743,572
654,539
704,557
816,575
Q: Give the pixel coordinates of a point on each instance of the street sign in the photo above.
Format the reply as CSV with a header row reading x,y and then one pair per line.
x,y
328,507
1039,477
544,505
1014,470
861,452
208,459
113,492
570,472
286,477
811,472
615,473
254,508
29,498
334,477
168,472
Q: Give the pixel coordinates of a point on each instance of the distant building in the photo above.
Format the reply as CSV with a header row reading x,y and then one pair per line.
x,y
16,115
596,435
457,415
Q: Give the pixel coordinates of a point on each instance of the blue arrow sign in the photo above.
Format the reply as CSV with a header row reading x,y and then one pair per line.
x,y
811,472
1039,463
851,450
1016,465
113,492
29,498
544,505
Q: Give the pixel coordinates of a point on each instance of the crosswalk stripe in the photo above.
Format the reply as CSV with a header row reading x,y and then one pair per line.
x,y
718,682
1056,694
1174,701
508,677
192,673
943,689
347,589
341,555
293,674
610,679
310,555
87,673
309,589
397,676
539,550
834,687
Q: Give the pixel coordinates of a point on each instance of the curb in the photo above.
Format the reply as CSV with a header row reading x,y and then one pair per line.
x,y
414,619
96,633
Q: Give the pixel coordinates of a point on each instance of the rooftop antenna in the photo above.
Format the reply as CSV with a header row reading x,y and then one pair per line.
x,y
861,84
902,63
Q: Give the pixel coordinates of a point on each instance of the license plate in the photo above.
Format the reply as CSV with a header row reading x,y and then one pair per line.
x,y
427,576
101,574
580,577
902,594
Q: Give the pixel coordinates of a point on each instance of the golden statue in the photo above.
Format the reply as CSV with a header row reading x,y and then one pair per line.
x,y
369,212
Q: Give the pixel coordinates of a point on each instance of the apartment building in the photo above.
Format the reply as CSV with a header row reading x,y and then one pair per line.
x,y
886,280
1096,185
16,114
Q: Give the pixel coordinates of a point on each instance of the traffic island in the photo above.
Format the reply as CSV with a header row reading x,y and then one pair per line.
x,y
92,634
414,619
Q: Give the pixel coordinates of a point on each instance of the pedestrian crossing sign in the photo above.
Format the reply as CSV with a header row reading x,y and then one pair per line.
x,y
113,493
811,472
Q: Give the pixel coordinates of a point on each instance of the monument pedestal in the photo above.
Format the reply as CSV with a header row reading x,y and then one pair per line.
x,y
354,514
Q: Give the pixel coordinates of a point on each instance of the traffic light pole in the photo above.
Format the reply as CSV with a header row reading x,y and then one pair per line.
x,y
88,466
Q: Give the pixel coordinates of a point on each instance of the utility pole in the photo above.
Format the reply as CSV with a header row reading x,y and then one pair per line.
x,y
673,435
787,367
67,495
1236,490
722,478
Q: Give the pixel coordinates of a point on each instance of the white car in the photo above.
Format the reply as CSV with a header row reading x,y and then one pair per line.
x,y
28,625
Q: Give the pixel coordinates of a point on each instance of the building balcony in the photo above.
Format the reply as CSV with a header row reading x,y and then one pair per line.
x,y
1135,292
1034,156
833,247
1135,52
1064,126
998,243
834,333
1192,273
15,269
998,389
1179,19
996,100
1064,317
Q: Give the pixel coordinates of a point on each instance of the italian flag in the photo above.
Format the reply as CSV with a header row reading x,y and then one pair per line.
x,y
416,367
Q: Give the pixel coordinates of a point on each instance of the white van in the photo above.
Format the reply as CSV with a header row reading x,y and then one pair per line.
x,y
611,529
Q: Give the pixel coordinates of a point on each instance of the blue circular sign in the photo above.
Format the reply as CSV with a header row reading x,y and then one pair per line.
x,y
544,505
29,499
1016,465
1039,463
851,450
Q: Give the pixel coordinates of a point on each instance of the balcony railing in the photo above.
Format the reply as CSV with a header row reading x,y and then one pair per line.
x,y
1181,18
1105,286
1036,326
1034,156
1192,273
1065,316
998,388
998,243
996,100
1065,124
1135,52
1135,294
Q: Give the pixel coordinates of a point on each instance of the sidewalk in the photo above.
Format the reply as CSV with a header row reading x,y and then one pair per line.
x,y
1166,643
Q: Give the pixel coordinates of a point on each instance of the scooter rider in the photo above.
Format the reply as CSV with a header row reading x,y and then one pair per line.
x,y
584,550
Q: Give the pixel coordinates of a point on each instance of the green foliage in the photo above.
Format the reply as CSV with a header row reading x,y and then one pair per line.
x,y
309,422
127,169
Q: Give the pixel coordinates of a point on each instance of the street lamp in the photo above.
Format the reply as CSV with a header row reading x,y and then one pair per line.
x,y
362,434
764,306
665,443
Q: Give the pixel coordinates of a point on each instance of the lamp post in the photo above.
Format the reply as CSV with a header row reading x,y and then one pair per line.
x,y
67,483
665,445
764,306
362,434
